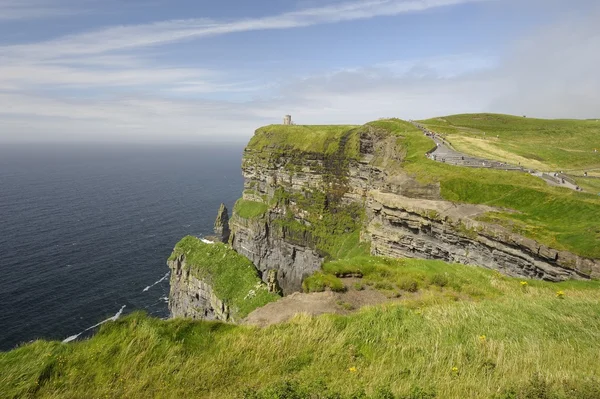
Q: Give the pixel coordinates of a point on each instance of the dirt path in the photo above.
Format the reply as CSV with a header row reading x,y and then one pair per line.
x,y
315,304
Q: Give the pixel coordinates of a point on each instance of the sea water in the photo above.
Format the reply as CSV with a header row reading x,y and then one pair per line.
x,y
85,230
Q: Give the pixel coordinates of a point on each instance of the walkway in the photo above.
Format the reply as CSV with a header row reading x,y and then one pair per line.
x,y
446,154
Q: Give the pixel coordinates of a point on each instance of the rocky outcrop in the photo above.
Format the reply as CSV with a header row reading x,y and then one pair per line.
x,y
405,227
280,257
268,173
221,226
191,297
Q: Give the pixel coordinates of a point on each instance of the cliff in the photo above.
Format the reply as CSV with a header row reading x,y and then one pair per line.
x,y
213,282
317,193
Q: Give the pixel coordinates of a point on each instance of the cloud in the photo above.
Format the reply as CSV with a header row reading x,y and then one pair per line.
x,y
82,87
33,9
555,72
137,36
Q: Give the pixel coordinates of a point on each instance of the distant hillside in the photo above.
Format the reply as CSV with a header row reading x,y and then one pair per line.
x,y
542,144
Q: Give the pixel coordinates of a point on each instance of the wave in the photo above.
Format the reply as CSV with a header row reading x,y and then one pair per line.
x,y
158,282
114,318
206,241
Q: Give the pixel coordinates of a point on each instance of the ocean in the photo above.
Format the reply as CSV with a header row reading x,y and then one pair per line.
x,y
86,230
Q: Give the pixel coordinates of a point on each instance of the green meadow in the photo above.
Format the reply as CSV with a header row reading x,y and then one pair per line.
x,y
542,144
465,332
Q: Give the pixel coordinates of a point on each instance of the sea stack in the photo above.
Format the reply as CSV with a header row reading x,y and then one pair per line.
x,y
222,224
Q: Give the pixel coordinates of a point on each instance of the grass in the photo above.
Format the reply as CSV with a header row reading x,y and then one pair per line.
x,y
249,209
558,217
319,282
232,276
319,139
534,345
543,144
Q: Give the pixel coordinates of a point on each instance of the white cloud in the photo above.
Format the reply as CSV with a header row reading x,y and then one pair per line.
x,y
131,96
128,37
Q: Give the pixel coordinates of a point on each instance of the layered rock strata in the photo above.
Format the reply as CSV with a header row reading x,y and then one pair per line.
x,y
406,227
191,297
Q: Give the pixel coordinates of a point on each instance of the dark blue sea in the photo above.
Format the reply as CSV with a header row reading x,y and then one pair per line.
x,y
85,230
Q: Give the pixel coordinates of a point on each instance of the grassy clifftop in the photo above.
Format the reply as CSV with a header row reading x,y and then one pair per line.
x,y
232,276
317,139
472,333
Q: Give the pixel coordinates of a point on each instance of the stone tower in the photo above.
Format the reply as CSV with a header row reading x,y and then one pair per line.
x,y
287,120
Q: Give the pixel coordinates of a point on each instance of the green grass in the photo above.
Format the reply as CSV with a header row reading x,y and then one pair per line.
x,y
232,276
319,282
558,217
320,139
394,275
543,144
431,344
249,209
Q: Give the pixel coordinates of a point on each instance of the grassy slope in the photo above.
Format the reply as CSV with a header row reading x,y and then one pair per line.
x,y
232,276
323,139
249,209
416,343
559,217
542,144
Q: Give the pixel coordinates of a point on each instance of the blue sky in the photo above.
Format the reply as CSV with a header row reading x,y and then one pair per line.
x,y
178,70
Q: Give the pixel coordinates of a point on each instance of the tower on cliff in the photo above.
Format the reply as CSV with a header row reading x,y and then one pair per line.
x,y
287,120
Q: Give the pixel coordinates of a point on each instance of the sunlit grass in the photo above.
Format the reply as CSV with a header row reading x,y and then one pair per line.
x,y
431,342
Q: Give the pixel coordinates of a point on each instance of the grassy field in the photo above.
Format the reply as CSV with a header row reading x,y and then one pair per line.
x,y
542,144
559,217
232,276
249,209
465,333
321,139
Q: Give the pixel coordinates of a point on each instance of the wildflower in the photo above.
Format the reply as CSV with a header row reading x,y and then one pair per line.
x,y
352,369
524,284
482,338
560,294
455,370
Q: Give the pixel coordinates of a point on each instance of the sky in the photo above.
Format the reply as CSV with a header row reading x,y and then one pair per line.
x,y
214,71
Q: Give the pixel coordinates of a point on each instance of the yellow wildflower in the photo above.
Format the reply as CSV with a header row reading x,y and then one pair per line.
x,y
482,338
560,294
524,284
352,369
454,370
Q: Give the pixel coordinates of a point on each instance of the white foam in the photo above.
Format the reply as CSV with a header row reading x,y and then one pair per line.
x,y
206,241
158,282
114,318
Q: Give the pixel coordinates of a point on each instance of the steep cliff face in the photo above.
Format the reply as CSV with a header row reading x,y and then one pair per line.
x,y
213,282
405,227
363,177
192,297
310,196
